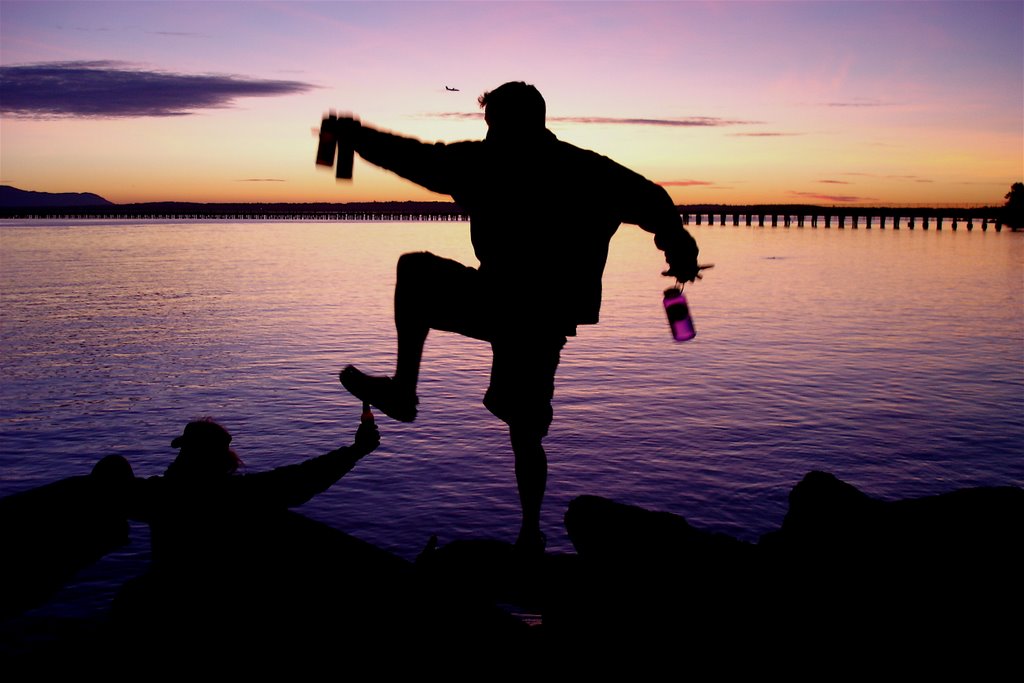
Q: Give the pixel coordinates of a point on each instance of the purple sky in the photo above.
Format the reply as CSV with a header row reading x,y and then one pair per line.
x,y
828,102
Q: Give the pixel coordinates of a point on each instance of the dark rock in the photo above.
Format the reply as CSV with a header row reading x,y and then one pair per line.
x,y
495,571
649,579
915,586
846,578
50,533
308,588
604,531
826,513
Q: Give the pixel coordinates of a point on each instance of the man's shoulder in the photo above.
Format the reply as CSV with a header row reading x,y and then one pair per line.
x,y
466,150
581,160
571,150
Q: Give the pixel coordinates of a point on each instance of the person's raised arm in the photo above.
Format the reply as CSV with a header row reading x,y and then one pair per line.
x,y
425,164
293,485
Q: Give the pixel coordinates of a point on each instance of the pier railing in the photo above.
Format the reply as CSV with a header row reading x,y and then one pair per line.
x,y
232,215
356,211
760,216
844,217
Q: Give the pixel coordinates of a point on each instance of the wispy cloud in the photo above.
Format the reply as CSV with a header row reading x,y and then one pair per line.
x,y
456,115
687,122
846,199
835,182
683,183
763,135
109,89
107,29
914,178
859,103
683,122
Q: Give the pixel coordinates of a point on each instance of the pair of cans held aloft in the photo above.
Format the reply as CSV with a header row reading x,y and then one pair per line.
x,y
678,311
336,135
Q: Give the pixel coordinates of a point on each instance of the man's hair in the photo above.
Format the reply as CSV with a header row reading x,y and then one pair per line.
x,y
514,105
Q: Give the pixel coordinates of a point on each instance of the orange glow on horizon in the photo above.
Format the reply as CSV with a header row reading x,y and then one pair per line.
x,y
810,110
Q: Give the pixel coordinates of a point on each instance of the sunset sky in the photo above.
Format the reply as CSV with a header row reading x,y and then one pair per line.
x,y
724,102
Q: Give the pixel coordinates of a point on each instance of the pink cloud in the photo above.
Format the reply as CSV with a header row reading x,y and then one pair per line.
x,y
683,183
832,197
691,121
763,135
686,122
859,103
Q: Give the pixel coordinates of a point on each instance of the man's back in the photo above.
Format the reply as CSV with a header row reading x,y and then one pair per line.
x,y
542,212
542,216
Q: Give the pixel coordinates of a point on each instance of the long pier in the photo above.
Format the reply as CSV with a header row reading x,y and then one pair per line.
x,y
760,216
234,216
845,218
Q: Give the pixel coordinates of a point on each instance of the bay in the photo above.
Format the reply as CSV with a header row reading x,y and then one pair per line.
x,y
894,359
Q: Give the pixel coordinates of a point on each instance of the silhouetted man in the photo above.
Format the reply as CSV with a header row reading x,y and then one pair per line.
x,y
542,214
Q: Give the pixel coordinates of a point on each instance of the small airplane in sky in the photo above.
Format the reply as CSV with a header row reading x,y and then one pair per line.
x,y
451,89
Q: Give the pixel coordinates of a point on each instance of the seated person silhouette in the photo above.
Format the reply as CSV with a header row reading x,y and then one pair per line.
x,y
225,560
542,214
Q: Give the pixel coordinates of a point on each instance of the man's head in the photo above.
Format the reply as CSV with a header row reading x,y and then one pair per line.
x,y
514,107
205,451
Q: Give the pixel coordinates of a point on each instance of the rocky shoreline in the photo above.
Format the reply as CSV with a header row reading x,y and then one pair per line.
x,y
924,582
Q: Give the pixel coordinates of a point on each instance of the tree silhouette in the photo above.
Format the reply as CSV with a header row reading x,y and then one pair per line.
x,y
1013,211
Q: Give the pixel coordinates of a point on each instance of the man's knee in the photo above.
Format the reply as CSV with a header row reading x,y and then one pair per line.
x,y
416,264
526,437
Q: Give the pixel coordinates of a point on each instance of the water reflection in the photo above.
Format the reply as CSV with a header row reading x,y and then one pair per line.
x,y
890,358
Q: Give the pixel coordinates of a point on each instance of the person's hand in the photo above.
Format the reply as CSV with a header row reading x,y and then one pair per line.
x,y
367,437
690,274
334,115
334,126
681,254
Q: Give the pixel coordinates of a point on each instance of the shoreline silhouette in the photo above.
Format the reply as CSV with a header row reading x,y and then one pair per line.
x,y
942,567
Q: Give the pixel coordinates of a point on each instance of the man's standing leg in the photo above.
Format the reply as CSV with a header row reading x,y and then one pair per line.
x,y
520,393
531,480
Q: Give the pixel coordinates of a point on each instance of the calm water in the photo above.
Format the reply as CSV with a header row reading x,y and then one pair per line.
x,y
894,359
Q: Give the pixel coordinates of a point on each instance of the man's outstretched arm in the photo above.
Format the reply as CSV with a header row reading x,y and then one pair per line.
x,y
425,164
293,485
650,206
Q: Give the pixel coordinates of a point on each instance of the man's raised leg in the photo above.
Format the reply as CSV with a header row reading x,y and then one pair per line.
x,y
411,324
430,293
396,397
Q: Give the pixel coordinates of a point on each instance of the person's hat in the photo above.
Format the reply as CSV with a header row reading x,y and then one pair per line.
x,y
203,433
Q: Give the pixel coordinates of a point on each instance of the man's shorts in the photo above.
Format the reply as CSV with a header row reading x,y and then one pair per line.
x,y
447,295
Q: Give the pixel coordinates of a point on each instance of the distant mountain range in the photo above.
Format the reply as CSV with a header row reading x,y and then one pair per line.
x,y
14,201
13,197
